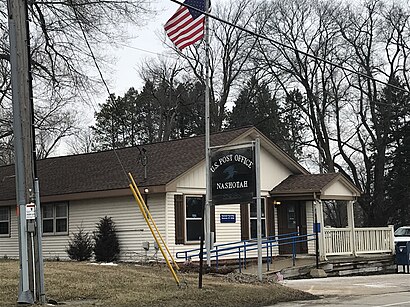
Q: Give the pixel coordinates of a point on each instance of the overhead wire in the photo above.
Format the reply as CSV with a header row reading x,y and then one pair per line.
x,y
251,32
140,49
104,82
277,43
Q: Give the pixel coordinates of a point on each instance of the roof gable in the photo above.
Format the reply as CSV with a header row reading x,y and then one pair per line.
x,y
249,134
322,186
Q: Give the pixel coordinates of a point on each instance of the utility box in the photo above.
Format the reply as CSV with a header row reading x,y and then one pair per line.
x,y
145,245
403,255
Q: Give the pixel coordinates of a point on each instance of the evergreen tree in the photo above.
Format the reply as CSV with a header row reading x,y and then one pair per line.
x,y
398,181
159,112
256,106
118,123
80,247
107,247
191,115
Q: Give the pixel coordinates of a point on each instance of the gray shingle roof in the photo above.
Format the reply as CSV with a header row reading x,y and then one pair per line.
x,y
102,171
304,183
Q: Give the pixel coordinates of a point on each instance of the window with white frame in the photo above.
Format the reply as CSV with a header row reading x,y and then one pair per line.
x,y
4,221
55,218
193,218
253,219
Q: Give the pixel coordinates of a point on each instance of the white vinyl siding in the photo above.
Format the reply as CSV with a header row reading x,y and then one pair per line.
x,y
9,246
131,226
227,232
273,171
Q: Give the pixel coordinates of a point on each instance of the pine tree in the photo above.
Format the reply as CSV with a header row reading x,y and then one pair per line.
x,y
256,106
80,247
107,247
398,183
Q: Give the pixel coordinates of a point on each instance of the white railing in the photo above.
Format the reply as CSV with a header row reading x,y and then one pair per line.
x,y
340,241
337,241
374,240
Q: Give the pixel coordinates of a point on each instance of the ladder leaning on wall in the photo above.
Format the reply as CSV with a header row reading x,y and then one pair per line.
x,y
154,229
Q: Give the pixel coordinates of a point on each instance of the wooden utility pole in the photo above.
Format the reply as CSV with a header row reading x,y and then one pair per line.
x,y
31,285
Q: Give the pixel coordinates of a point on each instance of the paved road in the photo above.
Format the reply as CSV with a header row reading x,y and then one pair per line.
x,y
378,290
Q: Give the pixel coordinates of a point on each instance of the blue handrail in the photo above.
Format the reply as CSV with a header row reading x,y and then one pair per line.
x,y
241,248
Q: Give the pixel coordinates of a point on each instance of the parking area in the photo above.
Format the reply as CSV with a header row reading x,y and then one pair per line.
x,y
376,290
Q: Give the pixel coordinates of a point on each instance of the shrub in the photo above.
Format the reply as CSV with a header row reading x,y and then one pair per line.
x,y
80,247
107,247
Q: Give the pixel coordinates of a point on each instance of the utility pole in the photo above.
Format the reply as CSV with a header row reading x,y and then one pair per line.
x,y
31,286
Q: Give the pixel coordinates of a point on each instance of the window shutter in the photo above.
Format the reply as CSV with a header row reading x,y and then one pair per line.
x,y
179,219
244,222
270,218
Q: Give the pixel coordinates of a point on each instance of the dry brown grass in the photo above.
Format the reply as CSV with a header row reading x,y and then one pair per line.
x,y
128,285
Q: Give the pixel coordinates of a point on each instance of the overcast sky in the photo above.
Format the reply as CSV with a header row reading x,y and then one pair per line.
x,y
144,45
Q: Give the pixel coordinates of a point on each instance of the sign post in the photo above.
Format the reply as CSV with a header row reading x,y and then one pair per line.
x,y
258,206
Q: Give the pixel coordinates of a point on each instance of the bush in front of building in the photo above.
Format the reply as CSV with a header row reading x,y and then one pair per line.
x,y
107,246
80,247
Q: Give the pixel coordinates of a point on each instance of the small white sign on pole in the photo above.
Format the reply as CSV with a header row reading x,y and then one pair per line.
x,y
30,211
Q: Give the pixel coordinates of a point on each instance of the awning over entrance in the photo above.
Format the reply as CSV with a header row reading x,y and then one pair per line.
x,y
318,188
330,186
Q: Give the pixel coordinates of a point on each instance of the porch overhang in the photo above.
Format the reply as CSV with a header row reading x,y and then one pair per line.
x,y
331,186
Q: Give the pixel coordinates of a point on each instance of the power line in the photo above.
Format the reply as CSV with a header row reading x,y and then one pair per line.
x,y
253,33
140,49
105,84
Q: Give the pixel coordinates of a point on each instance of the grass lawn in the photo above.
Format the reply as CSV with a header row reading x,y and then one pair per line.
x,y
84,284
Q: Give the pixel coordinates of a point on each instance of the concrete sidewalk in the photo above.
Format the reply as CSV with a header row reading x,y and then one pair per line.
x,y
375,290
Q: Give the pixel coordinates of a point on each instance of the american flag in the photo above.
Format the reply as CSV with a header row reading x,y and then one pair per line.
x,y
186,26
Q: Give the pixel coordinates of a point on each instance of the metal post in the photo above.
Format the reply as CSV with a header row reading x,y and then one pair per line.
x,y
207,144
17,18
258,206
316,229
39,252
201,249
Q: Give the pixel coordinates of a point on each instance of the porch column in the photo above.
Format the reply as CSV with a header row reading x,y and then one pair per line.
x,y
321,221
350,225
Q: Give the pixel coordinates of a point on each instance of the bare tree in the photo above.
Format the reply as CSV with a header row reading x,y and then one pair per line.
x,y
230,54
62,65
164,75
375,35
84,142
350,116
52,124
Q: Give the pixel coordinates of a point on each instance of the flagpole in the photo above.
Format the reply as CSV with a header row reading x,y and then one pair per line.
x,y
207,143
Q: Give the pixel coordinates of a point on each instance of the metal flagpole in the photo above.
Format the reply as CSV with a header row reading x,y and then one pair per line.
x,y
207,143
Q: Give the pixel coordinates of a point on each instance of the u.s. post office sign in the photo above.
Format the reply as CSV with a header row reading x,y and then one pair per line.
x,y
233,176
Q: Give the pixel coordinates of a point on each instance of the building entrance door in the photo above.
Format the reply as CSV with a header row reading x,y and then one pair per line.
x,y
292,219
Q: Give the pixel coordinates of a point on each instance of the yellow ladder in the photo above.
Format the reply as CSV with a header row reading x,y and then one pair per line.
x,y
153,228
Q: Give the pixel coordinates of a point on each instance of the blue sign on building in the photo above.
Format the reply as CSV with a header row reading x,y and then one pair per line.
x,y
228,218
